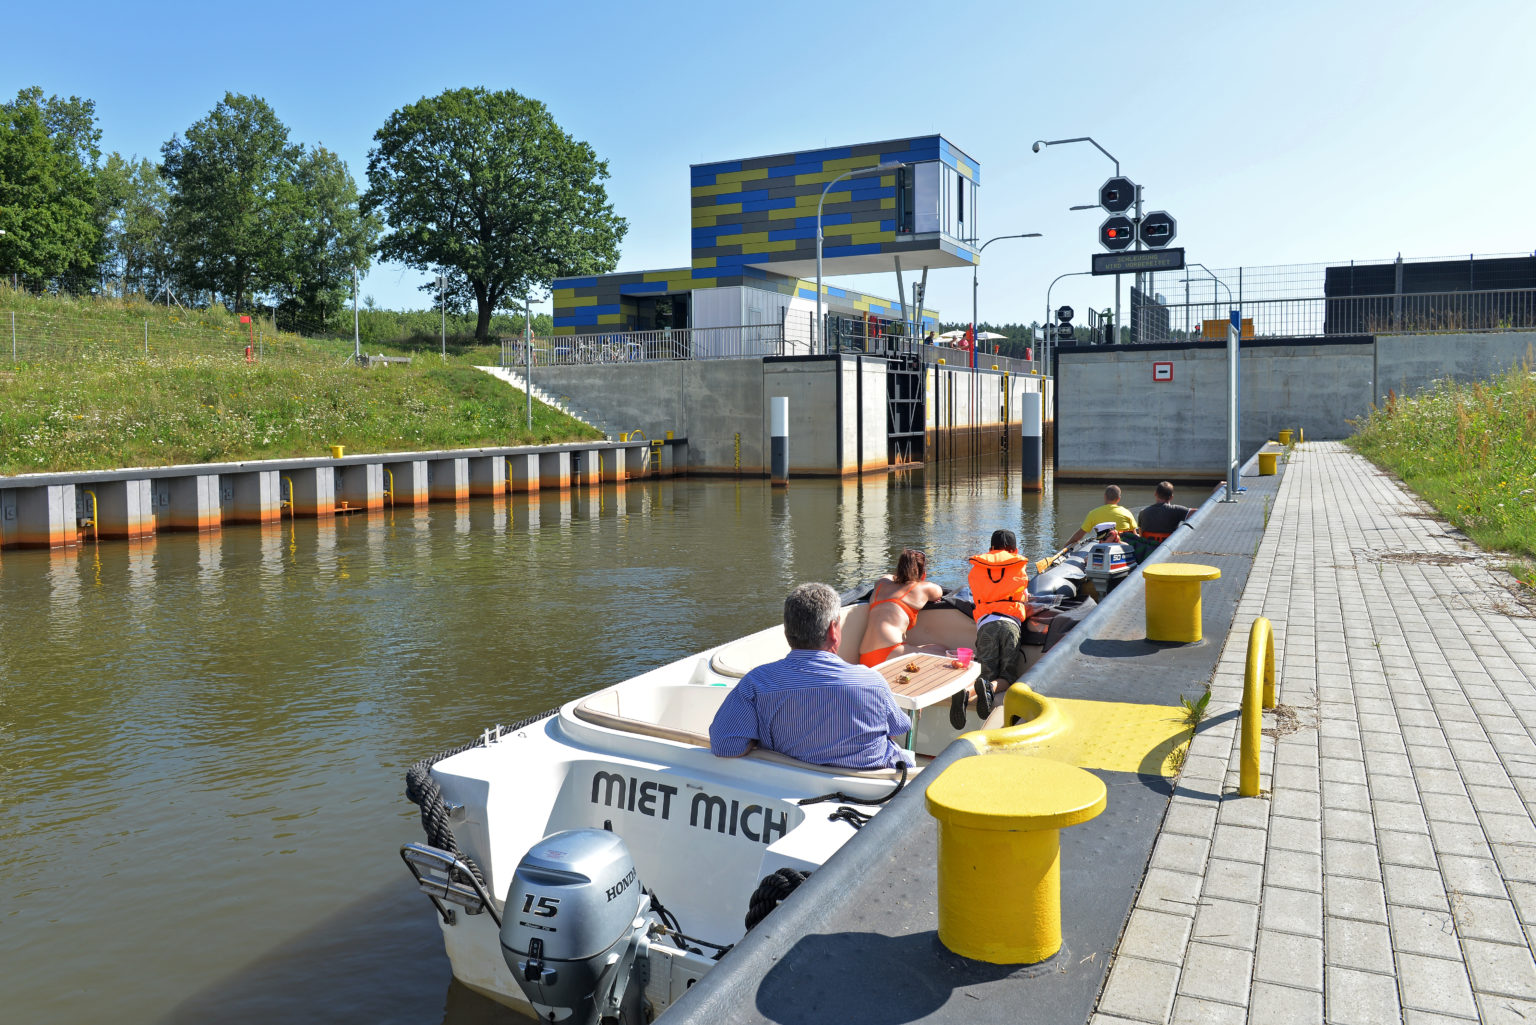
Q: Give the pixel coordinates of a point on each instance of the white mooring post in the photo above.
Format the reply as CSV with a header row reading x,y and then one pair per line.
x,y
778,431
1032,451
1234,329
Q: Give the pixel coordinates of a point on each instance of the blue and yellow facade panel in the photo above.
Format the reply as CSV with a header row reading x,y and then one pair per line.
x,y
749,215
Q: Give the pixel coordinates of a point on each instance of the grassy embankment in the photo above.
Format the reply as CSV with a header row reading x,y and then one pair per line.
x,y
1470,451
83,394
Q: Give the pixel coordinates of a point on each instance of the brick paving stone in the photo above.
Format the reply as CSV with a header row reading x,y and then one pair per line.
x,y
1174,892
1361,998
1271,1004
1294,869
1289,960
1191,819
1494,1009
1346,858
1435,984
1238,843
1472,875
1296,804
1140,989
1230,923
1217,973
1486,918
1348,796
1155,936
1500,968
1415,887
1234,880
1296,911
1419,931
1180,853
1363,945
1191,1011
1412,849
1413,1016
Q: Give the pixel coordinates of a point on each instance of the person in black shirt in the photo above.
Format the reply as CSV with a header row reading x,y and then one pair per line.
x,y
1159,519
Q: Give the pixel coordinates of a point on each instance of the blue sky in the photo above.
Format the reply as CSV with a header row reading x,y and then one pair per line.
x,y
1275,134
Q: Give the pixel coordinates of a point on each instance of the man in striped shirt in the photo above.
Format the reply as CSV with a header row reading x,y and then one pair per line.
x,y
812,705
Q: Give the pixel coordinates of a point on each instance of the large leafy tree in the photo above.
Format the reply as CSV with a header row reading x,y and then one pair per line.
x,y
133,198
232,198
488,186
48,206
328,236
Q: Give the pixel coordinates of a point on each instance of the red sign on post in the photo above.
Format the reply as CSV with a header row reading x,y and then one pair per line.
x,y
1162,371
245,318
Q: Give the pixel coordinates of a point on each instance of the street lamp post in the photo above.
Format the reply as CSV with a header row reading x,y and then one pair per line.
x,y
1069,274
974,266
1214,278
1041,144
853,172
442,304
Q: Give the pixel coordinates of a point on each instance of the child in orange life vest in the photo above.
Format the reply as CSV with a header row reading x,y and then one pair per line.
x,y
999,582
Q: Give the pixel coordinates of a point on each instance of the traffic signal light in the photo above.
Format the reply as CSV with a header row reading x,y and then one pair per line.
x,y
1117,195
1117,233
1158,229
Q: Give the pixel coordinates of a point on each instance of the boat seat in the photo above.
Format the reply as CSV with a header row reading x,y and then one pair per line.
x,y
682,713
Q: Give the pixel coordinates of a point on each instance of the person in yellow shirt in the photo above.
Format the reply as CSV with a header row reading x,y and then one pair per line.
x,y
1111,510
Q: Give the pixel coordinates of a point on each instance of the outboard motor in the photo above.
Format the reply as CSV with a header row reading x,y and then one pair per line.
x,y
575,930
1110,560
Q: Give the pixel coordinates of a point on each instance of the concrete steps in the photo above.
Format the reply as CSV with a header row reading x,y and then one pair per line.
x,y
517,381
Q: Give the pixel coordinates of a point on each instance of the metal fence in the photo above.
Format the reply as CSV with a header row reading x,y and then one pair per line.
x,y
176,335
1316,317
739,342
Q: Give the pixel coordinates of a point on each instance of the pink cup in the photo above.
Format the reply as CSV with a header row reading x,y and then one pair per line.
x,y
964,656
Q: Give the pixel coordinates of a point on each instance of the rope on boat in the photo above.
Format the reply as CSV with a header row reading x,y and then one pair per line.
x,y
422,790
838,795
773,891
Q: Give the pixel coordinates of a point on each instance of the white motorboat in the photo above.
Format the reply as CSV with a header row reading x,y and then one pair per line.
x,y
595,861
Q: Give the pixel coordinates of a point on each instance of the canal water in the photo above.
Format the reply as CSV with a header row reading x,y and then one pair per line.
x,y
203,739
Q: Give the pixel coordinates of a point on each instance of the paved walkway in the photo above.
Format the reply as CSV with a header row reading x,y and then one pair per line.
x,y
1390,875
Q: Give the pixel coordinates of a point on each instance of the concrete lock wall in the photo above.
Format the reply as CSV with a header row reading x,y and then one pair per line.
x,y
1115,420
838,408
1407,363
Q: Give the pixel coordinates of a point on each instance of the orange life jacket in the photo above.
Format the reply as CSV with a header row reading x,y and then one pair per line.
x,y
999,583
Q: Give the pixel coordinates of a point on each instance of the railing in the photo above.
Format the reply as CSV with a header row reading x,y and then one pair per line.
x,y
744,341
1317,317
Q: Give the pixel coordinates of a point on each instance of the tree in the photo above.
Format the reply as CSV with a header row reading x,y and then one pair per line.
x,y
47,194
232,194
132,200
328,235
488,186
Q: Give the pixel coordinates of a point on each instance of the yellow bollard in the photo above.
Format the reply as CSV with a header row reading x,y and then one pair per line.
x,y
337,450
1000,854
1267,464
1258,690
1285,436
1173,600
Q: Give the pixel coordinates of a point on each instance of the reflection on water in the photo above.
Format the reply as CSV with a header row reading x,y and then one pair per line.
x,y
203,737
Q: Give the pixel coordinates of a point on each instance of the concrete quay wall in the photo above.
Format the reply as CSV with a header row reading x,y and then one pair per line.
x,y
1115,419
55,510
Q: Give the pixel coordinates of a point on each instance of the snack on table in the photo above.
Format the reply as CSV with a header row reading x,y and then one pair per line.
x,y
913,667
903,679
955,663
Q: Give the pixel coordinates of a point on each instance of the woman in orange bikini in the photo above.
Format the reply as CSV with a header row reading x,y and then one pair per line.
x,y
893,609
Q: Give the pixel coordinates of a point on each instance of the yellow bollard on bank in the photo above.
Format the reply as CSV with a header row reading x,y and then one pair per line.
x,y
337,450
1267,463
1173,600
1285,436
1000,854
1258,694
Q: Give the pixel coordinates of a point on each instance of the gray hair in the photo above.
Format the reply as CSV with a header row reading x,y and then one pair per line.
x,y
1112,493
809,612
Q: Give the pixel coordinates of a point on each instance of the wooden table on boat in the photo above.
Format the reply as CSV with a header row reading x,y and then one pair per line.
x,y
934,681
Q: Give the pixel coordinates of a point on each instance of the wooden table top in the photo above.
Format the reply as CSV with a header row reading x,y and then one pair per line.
x,y
934,681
